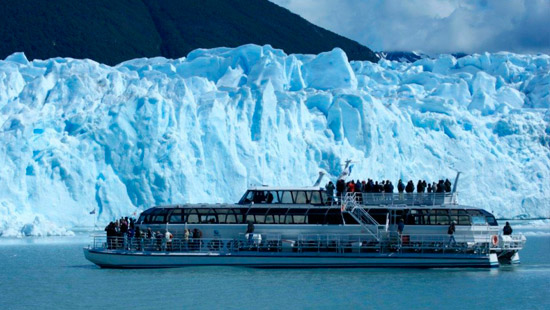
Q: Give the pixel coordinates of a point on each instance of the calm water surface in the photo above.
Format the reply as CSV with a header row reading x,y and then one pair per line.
x,y
53,274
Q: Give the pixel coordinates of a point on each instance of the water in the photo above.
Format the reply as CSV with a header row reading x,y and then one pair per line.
x,y
53,274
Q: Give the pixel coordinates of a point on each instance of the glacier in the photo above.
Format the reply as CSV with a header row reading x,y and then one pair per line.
x,y
79,136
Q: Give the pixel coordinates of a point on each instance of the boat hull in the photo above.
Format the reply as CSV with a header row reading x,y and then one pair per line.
x,y
133,259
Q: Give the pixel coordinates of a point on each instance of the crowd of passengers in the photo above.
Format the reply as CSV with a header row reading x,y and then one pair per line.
x,y
386,186
124,234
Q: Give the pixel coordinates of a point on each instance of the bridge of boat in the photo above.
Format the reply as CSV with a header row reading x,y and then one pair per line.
x,y
387,242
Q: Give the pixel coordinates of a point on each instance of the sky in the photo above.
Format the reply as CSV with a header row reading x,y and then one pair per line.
x,y
434,26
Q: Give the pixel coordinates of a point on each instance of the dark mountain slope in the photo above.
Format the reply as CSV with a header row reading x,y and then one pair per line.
x,y
114,31
104,30
188,24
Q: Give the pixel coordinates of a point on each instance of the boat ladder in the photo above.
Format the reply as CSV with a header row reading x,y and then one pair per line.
x,y
350,205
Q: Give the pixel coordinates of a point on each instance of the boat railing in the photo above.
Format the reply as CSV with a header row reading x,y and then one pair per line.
x,y
348,243
410,199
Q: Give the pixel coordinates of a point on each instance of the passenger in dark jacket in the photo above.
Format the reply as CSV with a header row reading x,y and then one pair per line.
x,y
370,186
507,230
440,187
340,187
400,186
388,188
410,187
447,185
358,187
330,191
451,233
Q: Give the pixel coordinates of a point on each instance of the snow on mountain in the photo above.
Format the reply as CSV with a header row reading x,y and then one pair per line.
x,y
77,135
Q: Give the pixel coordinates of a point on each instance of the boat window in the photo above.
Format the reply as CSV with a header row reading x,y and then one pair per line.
x,y
209,219
225,216
285,197
270,219
463,220
410,217
271,197
259,197
240,215
478,220
474,212
141,218
316,216
439,217
176,216
231,218
490,218
315,198
299,197
459,216
247,198
324,197
158,216
275,216
397,216
193,217
295,216
453,215
419,217
256,215
334,217
477,217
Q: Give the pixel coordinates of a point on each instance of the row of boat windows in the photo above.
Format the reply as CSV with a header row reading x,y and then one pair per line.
x,y
286,196
330,216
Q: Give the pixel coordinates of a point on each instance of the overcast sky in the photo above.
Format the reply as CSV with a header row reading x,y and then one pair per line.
x,y
434,26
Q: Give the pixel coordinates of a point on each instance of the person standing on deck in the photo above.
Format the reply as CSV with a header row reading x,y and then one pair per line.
x,y
507,230
330,192
451,233
186,239
400,228
400,189
168,240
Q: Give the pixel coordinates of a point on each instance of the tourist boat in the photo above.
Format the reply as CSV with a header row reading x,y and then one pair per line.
x,y
303,227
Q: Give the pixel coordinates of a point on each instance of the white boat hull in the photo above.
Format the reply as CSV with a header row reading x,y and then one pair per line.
x,y
135,259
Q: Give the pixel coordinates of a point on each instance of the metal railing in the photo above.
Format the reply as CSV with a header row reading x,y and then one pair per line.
x,y
411,199
386,242
362,217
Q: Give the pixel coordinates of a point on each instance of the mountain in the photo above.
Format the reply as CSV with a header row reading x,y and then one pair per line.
x,y
403,56
114,31
78,136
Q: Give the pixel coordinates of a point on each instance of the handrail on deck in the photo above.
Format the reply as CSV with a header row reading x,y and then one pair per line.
x,y
358,243
411,199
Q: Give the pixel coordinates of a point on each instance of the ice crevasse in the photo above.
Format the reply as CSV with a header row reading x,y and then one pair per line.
x,y
78,136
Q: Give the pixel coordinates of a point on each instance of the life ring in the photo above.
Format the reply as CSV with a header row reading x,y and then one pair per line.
x,y
494,240
215,245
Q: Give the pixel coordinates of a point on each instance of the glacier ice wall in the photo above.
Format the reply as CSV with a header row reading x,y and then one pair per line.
x,y
77,135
